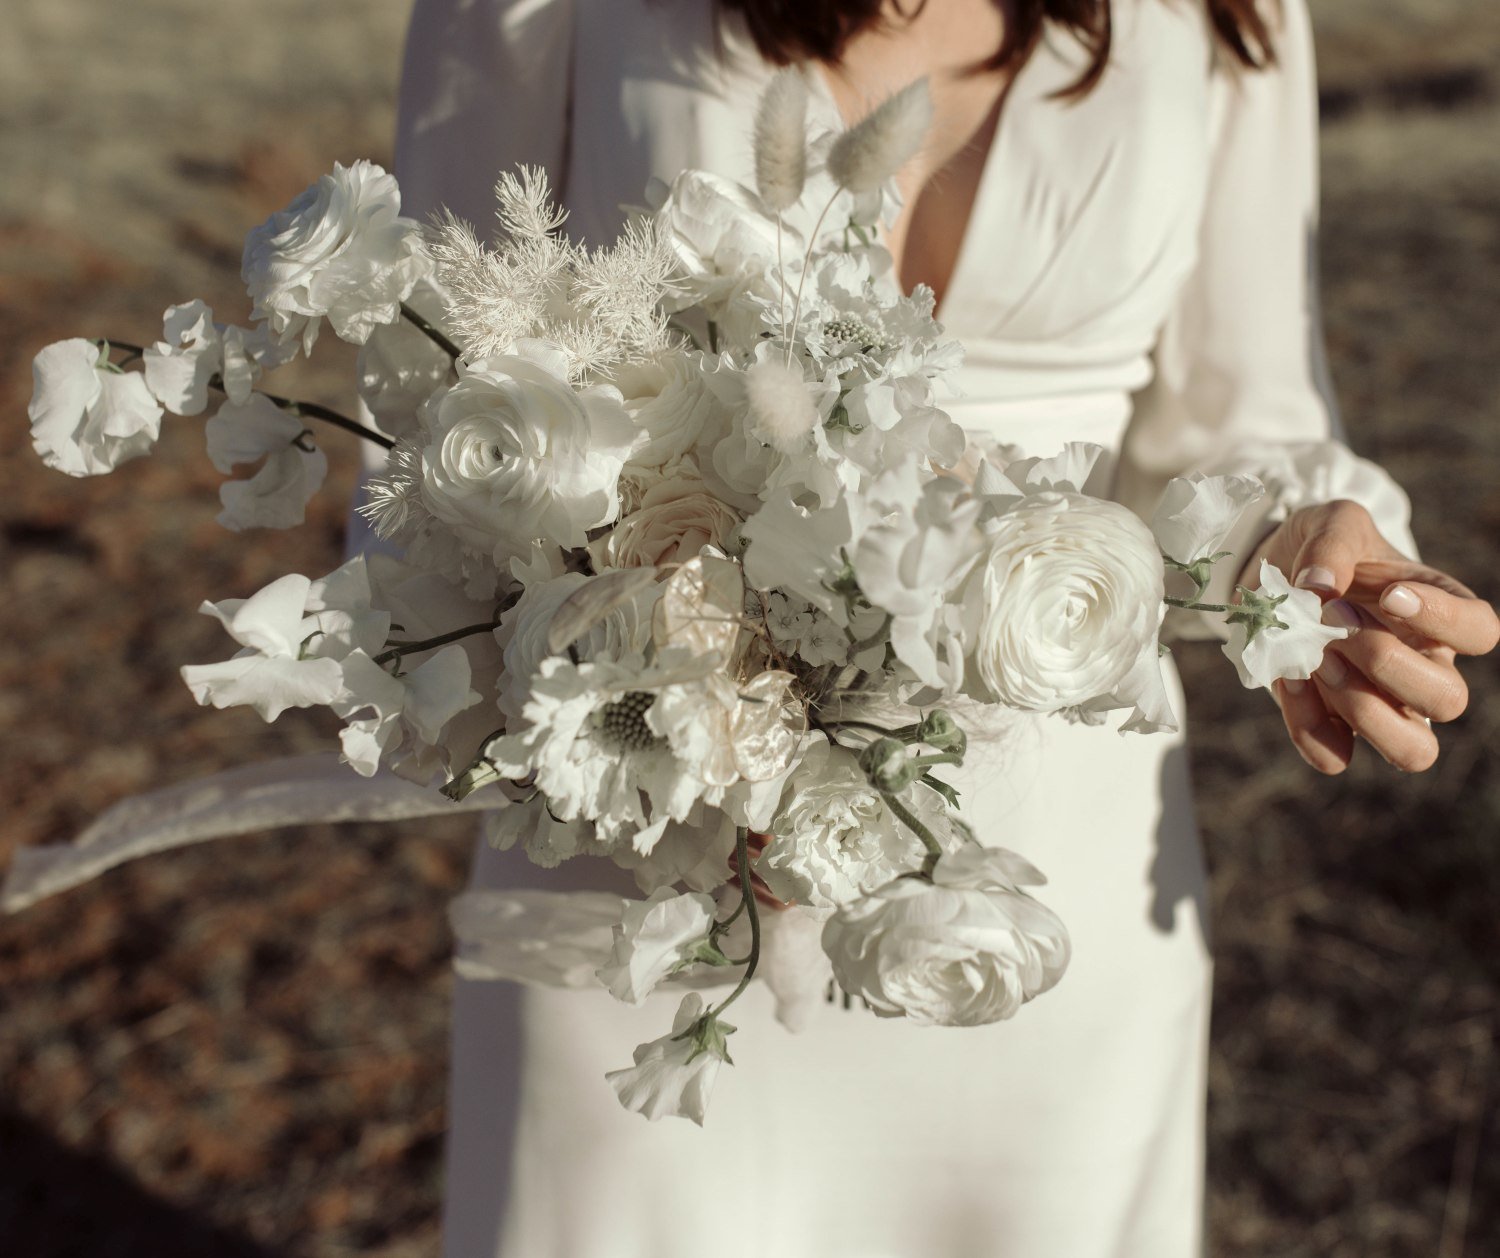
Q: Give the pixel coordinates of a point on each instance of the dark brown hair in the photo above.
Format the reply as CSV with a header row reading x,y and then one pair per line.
x,y
819,30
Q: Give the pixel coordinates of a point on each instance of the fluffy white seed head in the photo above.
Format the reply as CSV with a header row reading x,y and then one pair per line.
x,y
781,140
781,411
882,142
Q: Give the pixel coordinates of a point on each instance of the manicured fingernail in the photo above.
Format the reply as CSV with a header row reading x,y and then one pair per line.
x,y
1400,601
1342,614
1332,670
1293,685
1315,578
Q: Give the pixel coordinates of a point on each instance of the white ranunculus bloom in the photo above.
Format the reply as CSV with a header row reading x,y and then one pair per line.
x,y
672,1077
1063,602
1270,653
86,417
340,251
1197,512
834,838
179,367
675,520
514,454
655,937
668,404
969,948
276,496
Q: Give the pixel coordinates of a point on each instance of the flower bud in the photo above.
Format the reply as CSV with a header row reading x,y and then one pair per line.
x,y
940,731
888,766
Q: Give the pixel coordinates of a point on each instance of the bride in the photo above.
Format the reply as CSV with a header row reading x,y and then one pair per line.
x,y
1117,211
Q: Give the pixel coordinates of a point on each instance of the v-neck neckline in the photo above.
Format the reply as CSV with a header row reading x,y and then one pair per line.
x,y
822,90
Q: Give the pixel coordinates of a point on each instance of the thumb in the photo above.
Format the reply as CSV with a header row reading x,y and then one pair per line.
x,y
1334,542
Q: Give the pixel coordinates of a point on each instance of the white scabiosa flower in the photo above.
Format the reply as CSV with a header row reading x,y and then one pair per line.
x,y
1277,632
340,251
673,1077
863,157
88,417
968,948
781,140
654,938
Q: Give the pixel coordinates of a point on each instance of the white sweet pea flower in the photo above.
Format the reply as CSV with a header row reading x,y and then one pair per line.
x,y
801,550
273,672
514,454
969,948
400,367
86,416
179,367
340,251
294,632
834,838
673,1077
412,708
1197,513
654,938
1277,632
1063,603
276,496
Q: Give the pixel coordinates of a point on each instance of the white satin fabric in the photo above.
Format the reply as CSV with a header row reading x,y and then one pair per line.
x,y
1136,271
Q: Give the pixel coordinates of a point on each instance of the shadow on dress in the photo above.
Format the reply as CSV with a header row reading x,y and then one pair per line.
x,y
1177,873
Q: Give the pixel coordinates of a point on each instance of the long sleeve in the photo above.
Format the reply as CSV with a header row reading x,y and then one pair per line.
x,y
485,86
1241,383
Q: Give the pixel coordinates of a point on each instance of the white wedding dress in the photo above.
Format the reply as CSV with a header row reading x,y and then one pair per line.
x,y
1136,272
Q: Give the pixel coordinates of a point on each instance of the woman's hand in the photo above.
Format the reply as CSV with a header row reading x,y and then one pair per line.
x,y
1395,673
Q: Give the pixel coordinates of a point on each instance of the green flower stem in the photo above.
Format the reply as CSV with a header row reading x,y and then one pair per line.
x,y
1189,605
917,827
875,639
945,757
401,649
747,902
426,327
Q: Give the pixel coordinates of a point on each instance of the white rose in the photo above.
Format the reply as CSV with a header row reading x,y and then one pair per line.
x,y
834,837
340,250
967,949
675,521
1265,654
515,454
1063,602
673,1077
653,938
668,403
87,417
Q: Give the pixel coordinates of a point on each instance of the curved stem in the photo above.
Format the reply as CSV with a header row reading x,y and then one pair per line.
x,y
401,649
433,334
919,828
742,864
1189,605
812,241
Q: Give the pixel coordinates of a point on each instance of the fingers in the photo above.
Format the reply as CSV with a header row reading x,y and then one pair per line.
x,y
1321,738
1338,535
1430,687
1405,741
1468,625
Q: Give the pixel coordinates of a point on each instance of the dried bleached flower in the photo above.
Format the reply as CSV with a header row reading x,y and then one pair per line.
x,y
781,140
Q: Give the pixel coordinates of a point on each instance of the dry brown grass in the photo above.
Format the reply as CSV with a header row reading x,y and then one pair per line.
x,y
243,1051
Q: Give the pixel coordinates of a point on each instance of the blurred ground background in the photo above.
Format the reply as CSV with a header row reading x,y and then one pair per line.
x,y
242,1050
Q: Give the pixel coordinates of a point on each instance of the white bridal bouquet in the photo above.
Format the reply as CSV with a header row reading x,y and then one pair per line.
x,y
684,567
